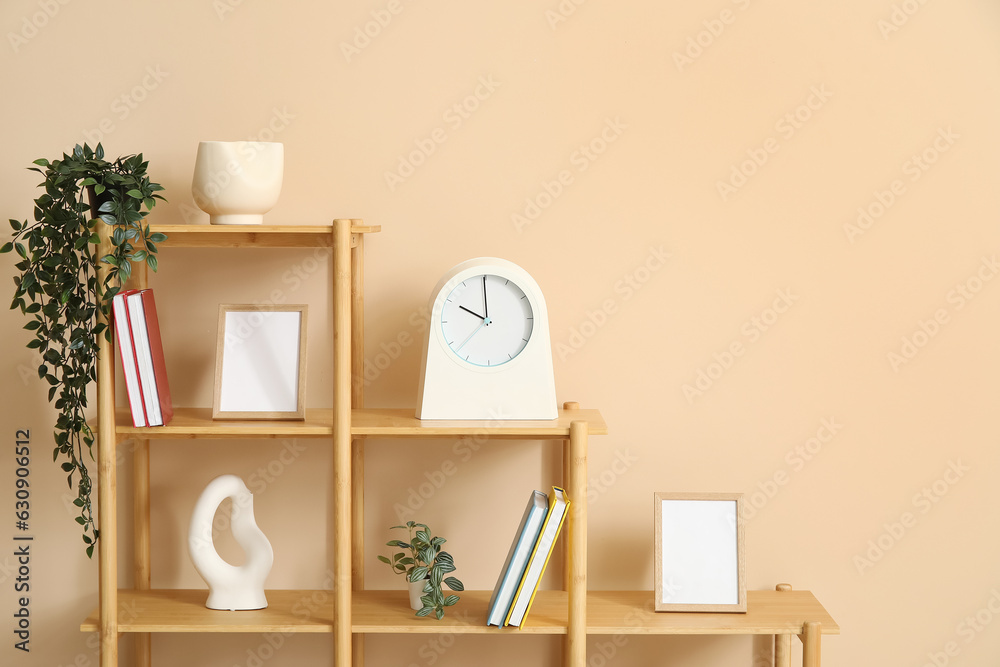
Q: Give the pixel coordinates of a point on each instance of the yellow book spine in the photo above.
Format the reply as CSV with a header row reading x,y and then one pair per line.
x,y
552,548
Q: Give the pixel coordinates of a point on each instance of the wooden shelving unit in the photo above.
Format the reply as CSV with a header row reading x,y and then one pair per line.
x,y
348,611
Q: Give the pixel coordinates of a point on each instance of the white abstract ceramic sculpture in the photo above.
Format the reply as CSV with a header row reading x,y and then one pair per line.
x,y
237,182
230,587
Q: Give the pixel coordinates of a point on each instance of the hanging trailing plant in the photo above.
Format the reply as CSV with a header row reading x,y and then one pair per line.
x,y
58,286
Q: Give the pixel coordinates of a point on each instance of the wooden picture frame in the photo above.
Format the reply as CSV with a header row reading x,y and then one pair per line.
x,y
260,364
699,557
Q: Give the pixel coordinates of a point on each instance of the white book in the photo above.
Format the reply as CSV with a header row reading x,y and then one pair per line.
x,y
558,505
144,359
129,370
517,558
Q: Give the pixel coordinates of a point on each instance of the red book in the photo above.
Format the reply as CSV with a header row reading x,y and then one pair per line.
x,y
149,357
123,332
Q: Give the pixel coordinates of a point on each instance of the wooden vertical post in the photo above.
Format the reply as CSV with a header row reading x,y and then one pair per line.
x,y
812,632
342,500
358,445
575,653
566,464
107,516
783,643
142,569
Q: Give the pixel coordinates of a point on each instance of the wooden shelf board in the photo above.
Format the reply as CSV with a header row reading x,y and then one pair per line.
x,y
768,613
252,236
384,422
390,422
388,612
185,611
198,423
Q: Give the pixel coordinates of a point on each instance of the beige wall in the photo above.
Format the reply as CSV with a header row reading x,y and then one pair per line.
x,y
888,82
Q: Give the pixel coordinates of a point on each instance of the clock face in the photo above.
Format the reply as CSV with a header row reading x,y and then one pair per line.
x,y
486,320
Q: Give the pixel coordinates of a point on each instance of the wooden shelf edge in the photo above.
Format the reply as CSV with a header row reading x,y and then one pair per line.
x,y
387,612
191,423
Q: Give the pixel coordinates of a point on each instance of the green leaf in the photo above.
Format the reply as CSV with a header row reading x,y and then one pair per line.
x,y
99,189
151,262
454,584
7,247
134,194
418,573
90,551
439,614
451,600
384,559
424,611
41,162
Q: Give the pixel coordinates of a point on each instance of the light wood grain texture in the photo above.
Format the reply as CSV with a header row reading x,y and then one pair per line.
x,y
768,613
253,236
402,422
358,445
342,494
388,612
142,571
566,463
575,652
185,611
107,503
300,390
664,497
811,636
783,643
383,422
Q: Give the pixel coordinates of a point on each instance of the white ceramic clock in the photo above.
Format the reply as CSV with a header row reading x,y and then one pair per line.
x,y
488,354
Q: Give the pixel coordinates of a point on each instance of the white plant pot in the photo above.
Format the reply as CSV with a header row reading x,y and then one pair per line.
x,y
237,182
230,587
416,589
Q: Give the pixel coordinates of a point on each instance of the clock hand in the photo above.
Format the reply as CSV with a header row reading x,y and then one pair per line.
x,y
469,311
471,335
486,305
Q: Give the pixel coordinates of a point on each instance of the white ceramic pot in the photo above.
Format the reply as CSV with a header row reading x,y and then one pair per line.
x,y
416,589
237,182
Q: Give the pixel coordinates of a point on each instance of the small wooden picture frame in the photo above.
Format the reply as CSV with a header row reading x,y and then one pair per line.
x,y
260,365
699,561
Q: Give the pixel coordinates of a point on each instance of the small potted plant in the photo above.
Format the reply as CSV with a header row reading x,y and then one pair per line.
x,y
424,567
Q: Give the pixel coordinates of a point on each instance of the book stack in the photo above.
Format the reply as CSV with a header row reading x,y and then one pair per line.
x,y
138,333
529,554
